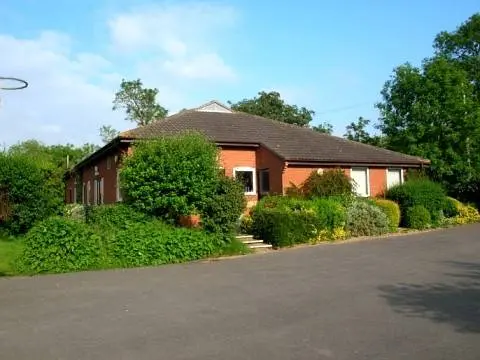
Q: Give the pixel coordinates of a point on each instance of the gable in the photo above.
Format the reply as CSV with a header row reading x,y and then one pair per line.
x,y
214,106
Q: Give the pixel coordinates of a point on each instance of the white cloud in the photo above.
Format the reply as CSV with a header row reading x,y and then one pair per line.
x,y
171,47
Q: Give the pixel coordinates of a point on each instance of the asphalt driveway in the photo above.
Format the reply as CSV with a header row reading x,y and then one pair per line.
x,y
413,297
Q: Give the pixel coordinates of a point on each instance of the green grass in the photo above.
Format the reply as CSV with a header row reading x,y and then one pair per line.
x,y
235,247
9,250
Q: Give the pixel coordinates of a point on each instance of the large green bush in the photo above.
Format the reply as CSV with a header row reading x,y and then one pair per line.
x,y
155,243
392,210
35,191
221,211
281,227
329,183
365,219
116,216
419,192
171,176
59,245
330,214
417,217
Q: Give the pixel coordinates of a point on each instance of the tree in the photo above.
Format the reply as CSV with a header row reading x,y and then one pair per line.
x,y
139,103
356,131
324,128
272,106
108,133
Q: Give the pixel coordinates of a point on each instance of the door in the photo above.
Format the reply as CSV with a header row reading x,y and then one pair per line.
x,y
394,177
360,178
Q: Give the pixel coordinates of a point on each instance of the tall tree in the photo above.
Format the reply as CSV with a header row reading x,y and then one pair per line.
x,y
325,128
272,106
108,133
357,131
139,103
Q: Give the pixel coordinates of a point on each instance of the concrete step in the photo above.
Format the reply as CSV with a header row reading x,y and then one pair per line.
x,y
260,246
254,244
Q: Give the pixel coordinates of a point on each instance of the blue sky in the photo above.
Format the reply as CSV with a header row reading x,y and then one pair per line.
x,y
330,56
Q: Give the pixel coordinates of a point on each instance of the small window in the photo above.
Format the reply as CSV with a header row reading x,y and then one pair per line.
x,y
109,162
119,190
394,177
360,179
88,192
264,181
247,177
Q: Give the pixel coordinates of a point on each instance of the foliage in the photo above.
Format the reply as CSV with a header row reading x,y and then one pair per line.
x,y
139,103
330,214
466,214
392,210
171,176
34,190
417,217
223,207
155,243
365,219
74,212
272,106
117,216
234,247
324,128
10,249
427,193
356,131
329,183
108,133
282,228
59,245
246,223
450,208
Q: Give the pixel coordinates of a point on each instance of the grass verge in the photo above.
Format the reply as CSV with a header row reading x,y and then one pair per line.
x,y
9,251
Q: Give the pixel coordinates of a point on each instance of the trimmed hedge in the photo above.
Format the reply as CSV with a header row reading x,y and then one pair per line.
x,y
281,227
422,192
330,214
155,243
418,217
392,210
59,245
365,219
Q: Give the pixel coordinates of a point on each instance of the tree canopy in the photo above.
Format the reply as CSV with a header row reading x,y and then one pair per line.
x,y
272,106
139,103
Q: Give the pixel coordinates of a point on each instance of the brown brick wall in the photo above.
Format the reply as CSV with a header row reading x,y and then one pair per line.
x,y
378,181
268,160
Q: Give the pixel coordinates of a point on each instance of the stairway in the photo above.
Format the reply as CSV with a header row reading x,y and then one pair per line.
x,y
254,244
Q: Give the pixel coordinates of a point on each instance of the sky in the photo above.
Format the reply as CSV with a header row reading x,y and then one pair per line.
x,y
330,56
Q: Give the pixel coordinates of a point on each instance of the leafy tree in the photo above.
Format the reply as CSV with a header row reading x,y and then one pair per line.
x,y
356,131
324,128
138,102
108,133
272,106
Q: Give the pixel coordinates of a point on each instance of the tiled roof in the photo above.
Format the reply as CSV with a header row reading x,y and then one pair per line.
x,y
290,142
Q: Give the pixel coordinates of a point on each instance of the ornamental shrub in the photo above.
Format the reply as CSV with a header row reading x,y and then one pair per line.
x,y
365,219
466,214
115,216
34,188
281,227
171,176
59,245
155,242
451,209
329,183
419,192
418,217
222,210
75,212
330,214
392,210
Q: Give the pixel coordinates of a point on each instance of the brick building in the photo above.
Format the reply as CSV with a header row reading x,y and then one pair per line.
x,y
266,155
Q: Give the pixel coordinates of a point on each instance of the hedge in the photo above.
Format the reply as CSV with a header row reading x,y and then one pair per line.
x,y
392,210
418,217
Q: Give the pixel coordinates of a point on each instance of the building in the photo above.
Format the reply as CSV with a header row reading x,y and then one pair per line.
x,y
266,155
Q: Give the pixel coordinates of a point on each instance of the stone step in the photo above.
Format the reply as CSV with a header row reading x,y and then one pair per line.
x,y
254,244
260,246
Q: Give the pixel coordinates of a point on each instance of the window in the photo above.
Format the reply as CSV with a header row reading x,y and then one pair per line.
x,y
95,192
394,177
119,192
246,176
360,179
84,194
109,162
98,191
88,192
264,181
75,194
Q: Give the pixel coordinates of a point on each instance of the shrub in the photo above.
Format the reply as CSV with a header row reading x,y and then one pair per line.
x,y
419,192
155,243
466,213
364,219
281,227
418,217
171,176
392,210
246,223
221,211
329,183
35,191
59,245
114,216
330,214
74,212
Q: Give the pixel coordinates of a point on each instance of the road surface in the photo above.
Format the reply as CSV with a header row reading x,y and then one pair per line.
x,y
409,297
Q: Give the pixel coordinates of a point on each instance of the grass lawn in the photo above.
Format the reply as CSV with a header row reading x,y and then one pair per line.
x,y
9,250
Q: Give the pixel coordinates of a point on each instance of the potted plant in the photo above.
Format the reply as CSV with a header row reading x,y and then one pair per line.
x,y
191,220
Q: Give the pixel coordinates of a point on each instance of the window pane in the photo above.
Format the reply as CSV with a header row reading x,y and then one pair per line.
x,y
359,176
246,178
394,177
265,181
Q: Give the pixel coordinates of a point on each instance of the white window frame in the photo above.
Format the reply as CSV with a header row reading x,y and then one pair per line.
x,y
394,168
368,178
254,175
117,185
